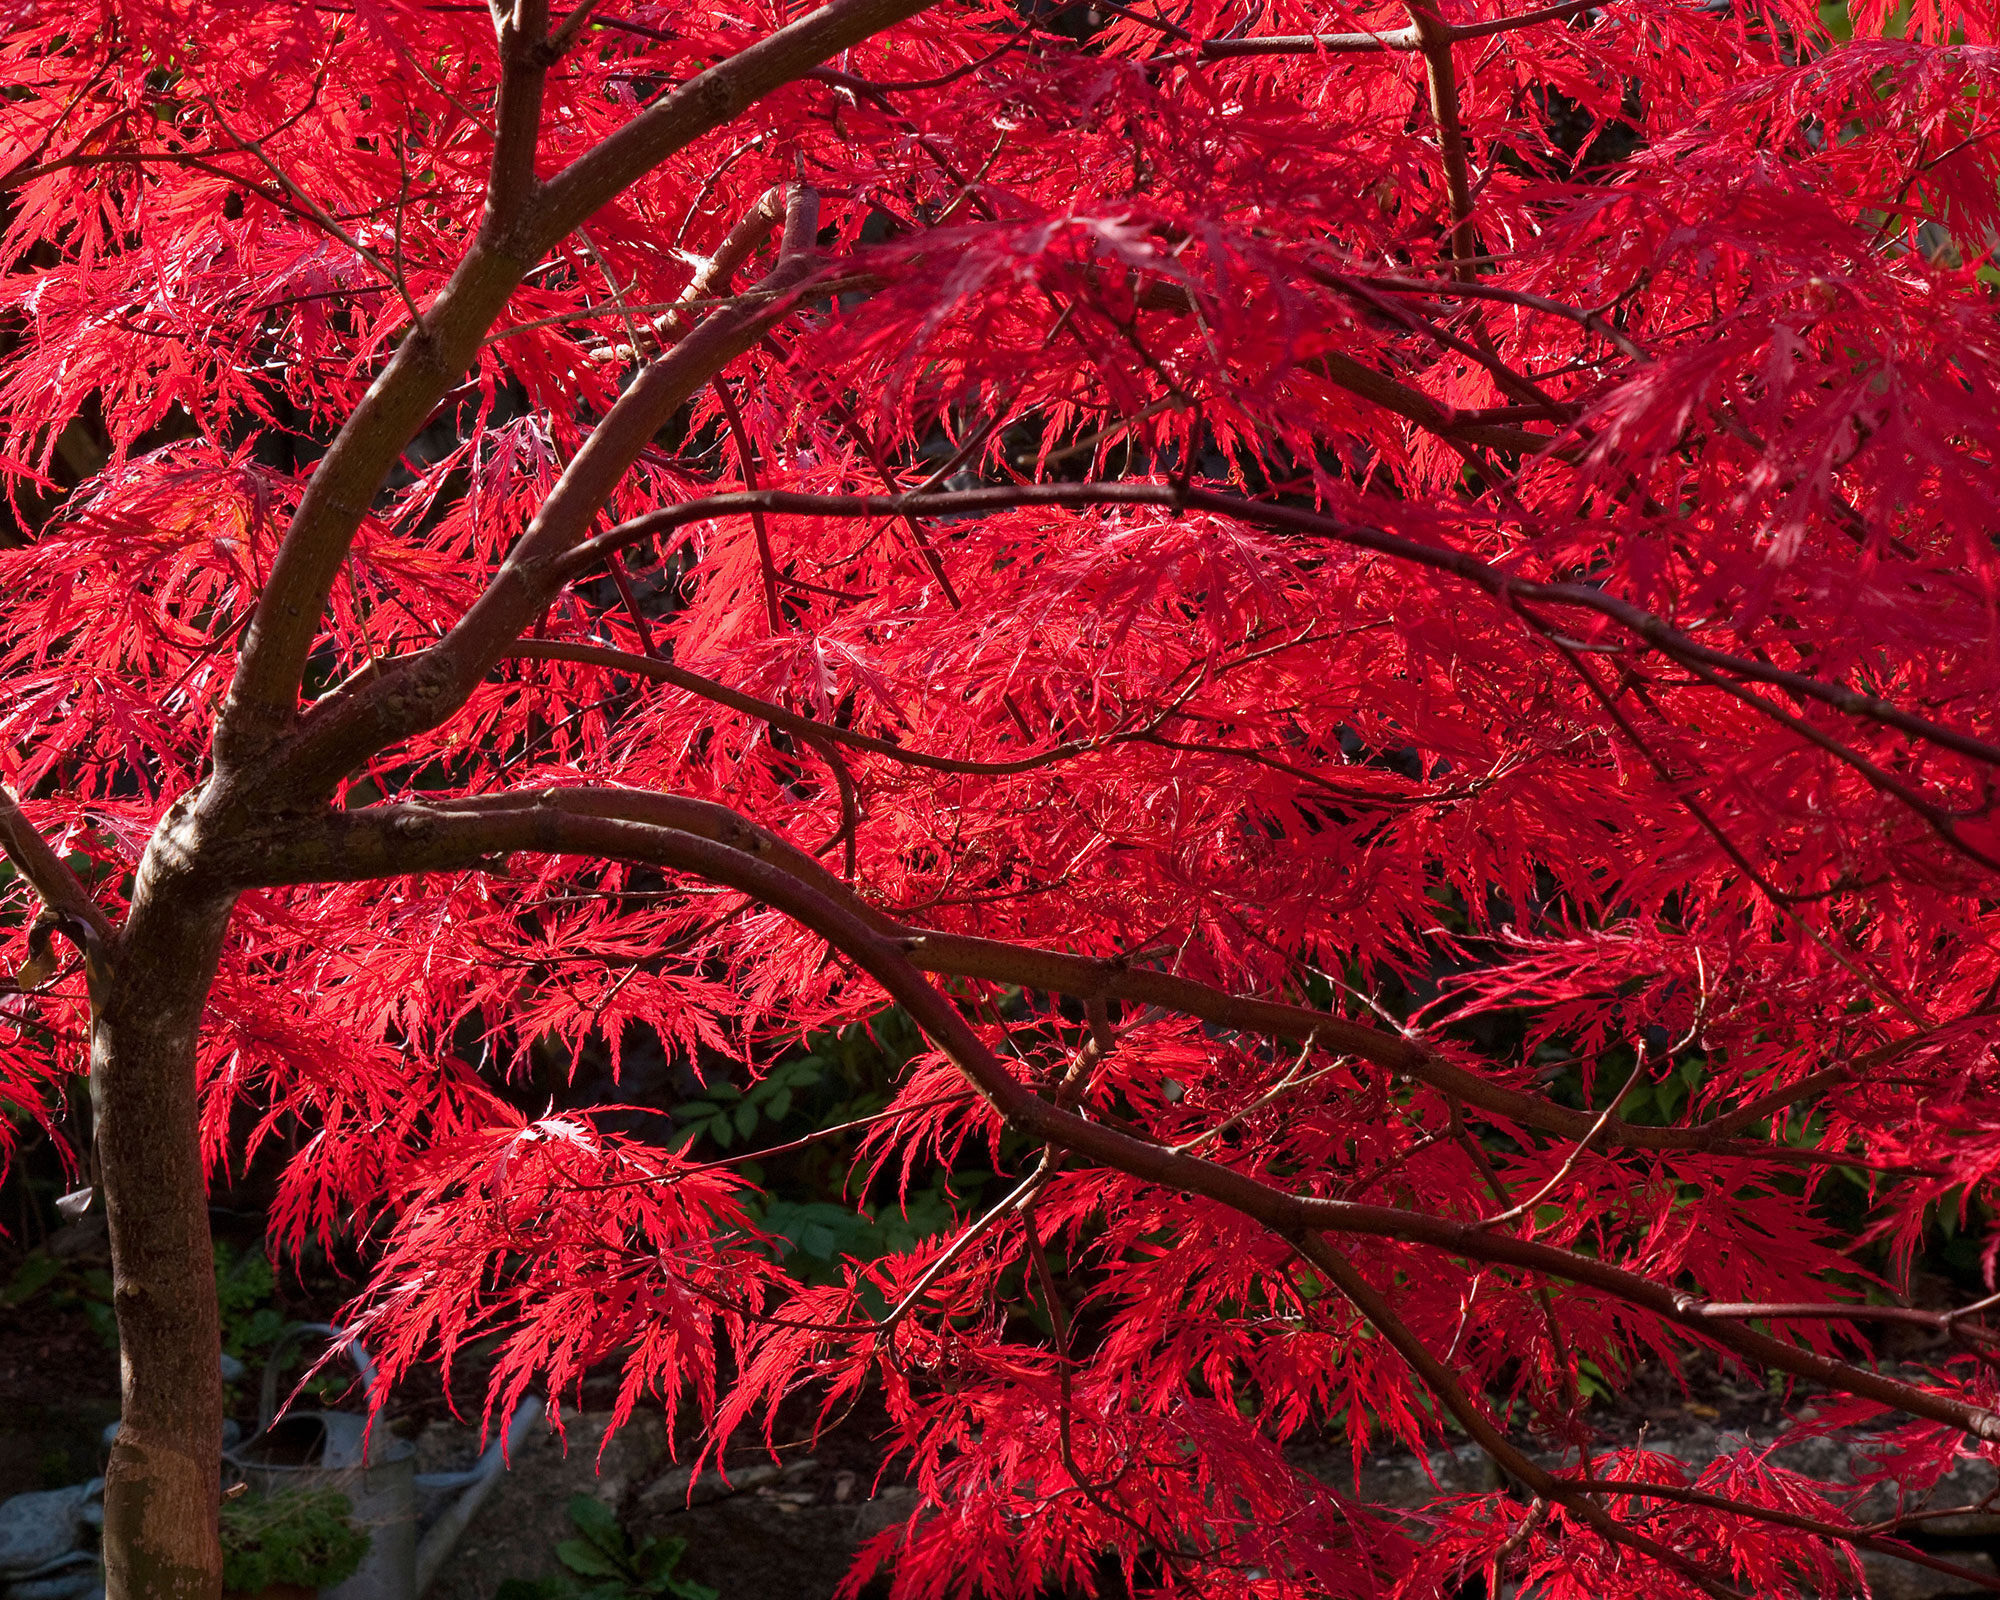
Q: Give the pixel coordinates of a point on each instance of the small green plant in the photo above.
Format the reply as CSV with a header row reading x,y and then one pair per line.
x,y
604,1564
725,1113
822,1235
69,1285
303,1537
244,1291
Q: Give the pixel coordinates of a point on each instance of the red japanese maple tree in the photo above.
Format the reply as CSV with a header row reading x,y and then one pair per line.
x,y
1194,517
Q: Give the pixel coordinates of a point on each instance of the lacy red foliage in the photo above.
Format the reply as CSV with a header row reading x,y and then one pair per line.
x,y
1478,524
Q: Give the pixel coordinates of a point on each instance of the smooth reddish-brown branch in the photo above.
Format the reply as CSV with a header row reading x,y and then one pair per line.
x,y
1094,978
1752,1112
44,871
391,840
1857,1537
707,101
1460,289
1437,1376
848,836
1939,820
1434,39
523,220
1480,350
517,122
1413,405
793,722
422,690
1581,1148
1382,389
1655,630
1393,40
1837,1311
746,469
1492,430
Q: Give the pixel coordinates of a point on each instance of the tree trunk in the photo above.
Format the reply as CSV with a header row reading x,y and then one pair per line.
x,y
162,1488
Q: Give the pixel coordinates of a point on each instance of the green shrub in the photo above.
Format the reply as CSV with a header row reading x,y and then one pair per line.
x,y
606,1565
302,1536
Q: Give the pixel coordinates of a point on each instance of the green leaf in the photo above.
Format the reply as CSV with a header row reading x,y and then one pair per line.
x,y
531,1589
657,1557
779,1106
584,1558
746,1119
261,1328
29,1278
596,1521
816,1239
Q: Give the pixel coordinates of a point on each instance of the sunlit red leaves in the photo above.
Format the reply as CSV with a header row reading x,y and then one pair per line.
x,y
572,1244
1554,1551
1286,766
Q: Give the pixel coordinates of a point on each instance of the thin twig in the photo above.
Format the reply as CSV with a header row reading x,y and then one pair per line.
x,y
1582,1145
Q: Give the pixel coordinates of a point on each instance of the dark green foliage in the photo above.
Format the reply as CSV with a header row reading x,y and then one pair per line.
x,y
726,1113
302,1536
604,1564
244,1285
814,1202
822,1234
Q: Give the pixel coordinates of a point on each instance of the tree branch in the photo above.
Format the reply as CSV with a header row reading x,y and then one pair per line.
x,y
1786,1519
519,115
1438,1377
425,688
1834,1311
705,102
391,840
966,956
1391,41
1583,317
806,727
263,699
1655,630
1379,388
1412,404
60,889
1434,37
1092,978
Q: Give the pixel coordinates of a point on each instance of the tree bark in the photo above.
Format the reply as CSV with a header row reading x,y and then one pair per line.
x,y
163,1486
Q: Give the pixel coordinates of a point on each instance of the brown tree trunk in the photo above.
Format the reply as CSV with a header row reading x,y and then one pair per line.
x,y
162,1488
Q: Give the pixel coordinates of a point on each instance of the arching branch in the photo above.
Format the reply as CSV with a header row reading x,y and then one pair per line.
x,y
1088,978
523,220
1654,630
422,690
808,727
1437,1376
391,840
1390,40
60,889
